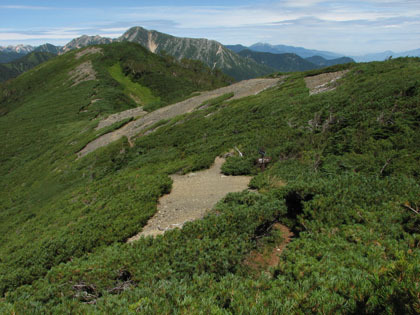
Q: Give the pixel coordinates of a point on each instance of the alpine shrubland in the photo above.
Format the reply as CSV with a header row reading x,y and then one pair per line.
x,y
349,159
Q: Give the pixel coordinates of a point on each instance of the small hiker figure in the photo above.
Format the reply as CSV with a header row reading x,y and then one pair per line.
x,y
262,161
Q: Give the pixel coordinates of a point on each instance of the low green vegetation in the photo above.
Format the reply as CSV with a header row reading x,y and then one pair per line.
x,y
349,159
156,81
217,100
139,93
16,67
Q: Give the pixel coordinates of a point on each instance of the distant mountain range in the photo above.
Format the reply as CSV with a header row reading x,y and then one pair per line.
x,y
300,51
84,41
309,53
238,61
12,53
387,54
212,53
322,62
288,62
279,62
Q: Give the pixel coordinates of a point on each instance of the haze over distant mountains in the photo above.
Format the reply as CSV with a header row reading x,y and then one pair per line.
x,y
211,52
300,51
289,61
238,61
307,53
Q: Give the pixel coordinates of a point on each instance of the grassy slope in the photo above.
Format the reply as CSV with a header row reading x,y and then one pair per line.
x,y
349,177
168,80
138,92
21,65
49,210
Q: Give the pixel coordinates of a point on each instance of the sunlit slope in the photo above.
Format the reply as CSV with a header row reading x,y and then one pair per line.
x,y
19,66
343,176
49,114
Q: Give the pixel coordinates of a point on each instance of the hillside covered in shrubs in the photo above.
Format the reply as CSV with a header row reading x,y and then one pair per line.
x,y
348,161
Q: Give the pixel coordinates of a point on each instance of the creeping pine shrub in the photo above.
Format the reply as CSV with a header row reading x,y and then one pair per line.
x,y
237,165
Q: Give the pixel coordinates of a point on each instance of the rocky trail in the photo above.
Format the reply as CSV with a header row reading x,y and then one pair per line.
x,y
132,129
191,197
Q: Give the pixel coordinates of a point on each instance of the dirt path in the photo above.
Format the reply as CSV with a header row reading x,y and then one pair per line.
x,y
240,90
191,197
263,259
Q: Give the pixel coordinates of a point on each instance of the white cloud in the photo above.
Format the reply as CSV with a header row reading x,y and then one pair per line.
x,y
24,7
301,3
23,36
320,24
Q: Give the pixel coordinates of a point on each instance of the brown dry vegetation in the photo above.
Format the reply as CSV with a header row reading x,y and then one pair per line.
x,y
266,257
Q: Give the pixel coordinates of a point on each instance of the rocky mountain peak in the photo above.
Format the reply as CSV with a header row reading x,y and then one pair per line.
x,y
20,49
86,40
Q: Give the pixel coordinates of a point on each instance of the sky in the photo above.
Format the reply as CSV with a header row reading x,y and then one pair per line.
x,y
346,27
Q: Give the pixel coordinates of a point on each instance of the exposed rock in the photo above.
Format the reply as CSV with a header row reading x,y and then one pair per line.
x,y
132,129
210,52
84,41
135,112
88,51
324,82
83,72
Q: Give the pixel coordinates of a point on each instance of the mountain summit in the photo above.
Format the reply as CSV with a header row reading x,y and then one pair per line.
x,y
84,41
211,52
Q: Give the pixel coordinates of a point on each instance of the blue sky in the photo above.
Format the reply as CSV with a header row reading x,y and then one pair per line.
x,y
348,27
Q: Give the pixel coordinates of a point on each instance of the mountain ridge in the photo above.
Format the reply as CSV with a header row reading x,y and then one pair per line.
x,y
351,194
300,51
286,62
211,52
322,62
381,56
26,62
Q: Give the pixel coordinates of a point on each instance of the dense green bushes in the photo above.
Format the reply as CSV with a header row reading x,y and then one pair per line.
x,y
237,165
349,257
350,161
156,81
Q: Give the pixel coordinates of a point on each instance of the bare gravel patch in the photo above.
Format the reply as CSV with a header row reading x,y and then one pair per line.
x,y
83,72
192,196
88,51
324,82
132,129
135,112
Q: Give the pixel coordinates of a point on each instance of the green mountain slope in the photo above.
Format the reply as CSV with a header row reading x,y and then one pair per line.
x,y
349,159
280,62
50,113
322,62
9,56
212,53
21,65
49,48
